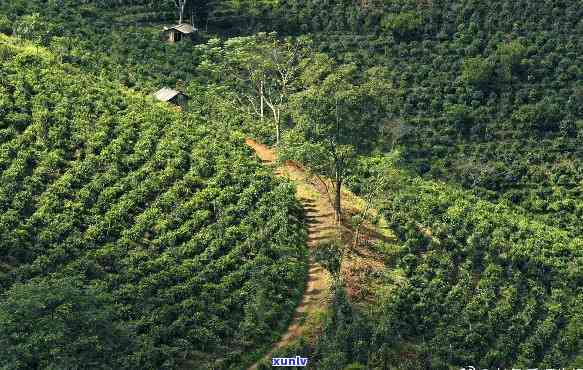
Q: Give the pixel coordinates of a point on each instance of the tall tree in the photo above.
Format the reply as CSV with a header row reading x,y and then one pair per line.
x,y
336,118
265,72
380,172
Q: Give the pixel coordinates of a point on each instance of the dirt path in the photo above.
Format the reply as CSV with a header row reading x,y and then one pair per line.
x,y
358,265
321,227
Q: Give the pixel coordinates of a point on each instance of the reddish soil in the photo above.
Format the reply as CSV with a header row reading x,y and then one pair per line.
x,y
321,227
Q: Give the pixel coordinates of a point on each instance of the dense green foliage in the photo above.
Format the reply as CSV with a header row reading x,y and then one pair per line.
x,y
60,323
486,96
483,286
489,287
492,90
485,104
129,52
153,209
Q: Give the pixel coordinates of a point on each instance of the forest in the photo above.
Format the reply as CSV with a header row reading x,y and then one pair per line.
x,y
137,235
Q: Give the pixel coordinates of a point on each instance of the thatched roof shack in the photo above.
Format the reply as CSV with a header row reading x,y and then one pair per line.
x,y
179,32
171,96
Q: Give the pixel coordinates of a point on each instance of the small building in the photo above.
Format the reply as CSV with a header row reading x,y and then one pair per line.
x,y
179,32
172,96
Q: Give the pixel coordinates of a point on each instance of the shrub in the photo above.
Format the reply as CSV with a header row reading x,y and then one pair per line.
x,y
5,25
477,71
402,25
61,323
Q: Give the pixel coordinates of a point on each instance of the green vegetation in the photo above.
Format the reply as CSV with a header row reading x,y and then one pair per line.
x,y
177,237
485,106
501,289
483,285
334,120
121,217
402,25
62,323
511,71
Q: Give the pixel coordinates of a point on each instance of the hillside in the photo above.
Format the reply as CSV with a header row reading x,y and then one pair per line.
x,y
132,235
485,106
485,95
459,123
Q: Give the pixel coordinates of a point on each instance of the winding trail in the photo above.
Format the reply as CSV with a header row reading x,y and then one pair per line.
x,y
321,227
359,265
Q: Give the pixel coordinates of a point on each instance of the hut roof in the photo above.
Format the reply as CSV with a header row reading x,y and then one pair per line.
x,y
184,28
167,94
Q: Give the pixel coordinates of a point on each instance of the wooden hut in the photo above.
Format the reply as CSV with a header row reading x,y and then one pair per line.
x,y
179,32
172,96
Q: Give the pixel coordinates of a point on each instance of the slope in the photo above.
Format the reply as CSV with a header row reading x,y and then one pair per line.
x,y
113,203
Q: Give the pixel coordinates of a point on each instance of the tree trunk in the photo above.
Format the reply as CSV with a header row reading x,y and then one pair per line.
x,y
276,110
277,128
337,199
262,100
337,170
182,7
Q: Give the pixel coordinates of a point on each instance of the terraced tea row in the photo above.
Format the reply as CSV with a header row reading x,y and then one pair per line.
x,y
195,251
